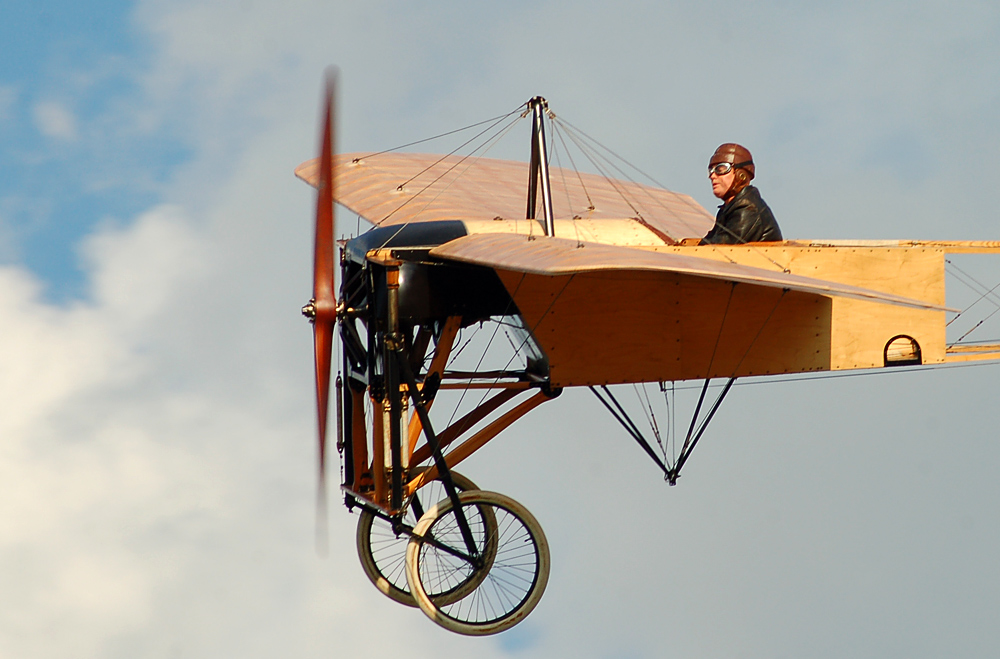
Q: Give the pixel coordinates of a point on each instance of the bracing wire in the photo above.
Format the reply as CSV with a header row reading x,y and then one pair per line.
x,y
591,140
593,157
554,155
974,327
486,146
483,356
456,149
647,408
708,374
671,404
558,133
489,142
760,331
584,137
450,132
584,142
479,364
524,341
509,340
977,287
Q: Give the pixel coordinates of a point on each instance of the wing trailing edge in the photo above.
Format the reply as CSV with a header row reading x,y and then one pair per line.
x,y
543,255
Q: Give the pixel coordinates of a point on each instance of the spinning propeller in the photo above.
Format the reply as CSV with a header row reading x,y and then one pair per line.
x,y
322,309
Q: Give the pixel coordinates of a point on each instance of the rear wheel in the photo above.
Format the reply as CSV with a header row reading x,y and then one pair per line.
x,y
507,587
383,553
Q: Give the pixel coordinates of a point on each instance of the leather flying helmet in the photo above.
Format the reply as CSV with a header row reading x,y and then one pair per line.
x,y
734,154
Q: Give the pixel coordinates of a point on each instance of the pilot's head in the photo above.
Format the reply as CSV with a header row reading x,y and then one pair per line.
x,y
730,170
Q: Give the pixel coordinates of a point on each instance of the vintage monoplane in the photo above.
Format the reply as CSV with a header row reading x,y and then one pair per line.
x,y
607,286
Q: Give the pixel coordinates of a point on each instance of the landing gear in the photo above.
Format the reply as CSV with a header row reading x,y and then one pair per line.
x,y
383,551
507,587
480,561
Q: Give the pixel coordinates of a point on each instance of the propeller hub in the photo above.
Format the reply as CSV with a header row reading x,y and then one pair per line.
x,y
323,311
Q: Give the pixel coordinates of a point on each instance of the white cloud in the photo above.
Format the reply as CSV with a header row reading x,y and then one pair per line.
x,y
55,120
157,458
158,454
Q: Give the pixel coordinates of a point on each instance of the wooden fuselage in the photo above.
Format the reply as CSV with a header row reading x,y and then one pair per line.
x,y
619,323
616,327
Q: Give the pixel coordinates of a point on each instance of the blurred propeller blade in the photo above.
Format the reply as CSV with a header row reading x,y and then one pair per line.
x,y
324,301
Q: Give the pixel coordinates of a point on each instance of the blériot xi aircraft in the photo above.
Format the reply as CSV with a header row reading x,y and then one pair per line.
x,y
595,282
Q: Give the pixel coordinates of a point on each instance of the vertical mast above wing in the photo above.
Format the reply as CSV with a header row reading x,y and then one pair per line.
x,y
539,166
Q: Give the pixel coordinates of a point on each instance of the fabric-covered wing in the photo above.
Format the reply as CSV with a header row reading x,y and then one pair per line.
x,y
606,314
545,255
396,188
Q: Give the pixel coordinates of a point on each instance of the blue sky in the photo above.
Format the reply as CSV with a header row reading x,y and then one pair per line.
x,y
65,168
156,399
77,153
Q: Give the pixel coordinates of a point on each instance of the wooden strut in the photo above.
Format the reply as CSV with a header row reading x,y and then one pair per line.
x,y
455,430
359,439
478,440
444,345
440,465
401,363
381,474
514,386
378,450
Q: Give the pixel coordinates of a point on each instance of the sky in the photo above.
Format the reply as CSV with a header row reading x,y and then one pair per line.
x,y
157,423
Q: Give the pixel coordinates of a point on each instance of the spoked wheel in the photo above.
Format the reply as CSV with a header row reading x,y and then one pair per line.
x,y
383,553
506,590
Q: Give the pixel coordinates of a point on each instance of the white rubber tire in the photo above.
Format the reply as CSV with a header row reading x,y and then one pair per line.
x,y
383,553
509,586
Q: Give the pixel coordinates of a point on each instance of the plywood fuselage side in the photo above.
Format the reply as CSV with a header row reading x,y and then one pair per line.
x,y
627,326
616,327
860,330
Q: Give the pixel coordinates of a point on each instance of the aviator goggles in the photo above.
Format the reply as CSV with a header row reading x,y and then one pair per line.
x,y
723,168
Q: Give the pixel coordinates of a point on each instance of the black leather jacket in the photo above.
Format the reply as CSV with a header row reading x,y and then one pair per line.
x,y
744,219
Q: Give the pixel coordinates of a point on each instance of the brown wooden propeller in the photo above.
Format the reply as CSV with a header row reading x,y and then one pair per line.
x,y
322,309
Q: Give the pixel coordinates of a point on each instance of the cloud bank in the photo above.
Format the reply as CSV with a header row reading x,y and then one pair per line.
x,y
157,467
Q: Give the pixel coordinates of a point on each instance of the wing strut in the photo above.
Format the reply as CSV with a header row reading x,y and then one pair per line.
x,y
689,442
623,418
672,472
403,362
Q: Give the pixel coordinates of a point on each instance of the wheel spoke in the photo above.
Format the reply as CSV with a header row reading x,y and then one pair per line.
x,y
513,577
383,553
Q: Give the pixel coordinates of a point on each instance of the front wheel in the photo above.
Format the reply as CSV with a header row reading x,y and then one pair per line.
x,y
507,588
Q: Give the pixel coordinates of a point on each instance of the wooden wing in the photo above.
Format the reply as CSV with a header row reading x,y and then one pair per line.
x,y
396,188
607,314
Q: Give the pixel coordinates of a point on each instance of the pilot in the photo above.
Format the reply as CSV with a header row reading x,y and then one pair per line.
x,y
743,216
